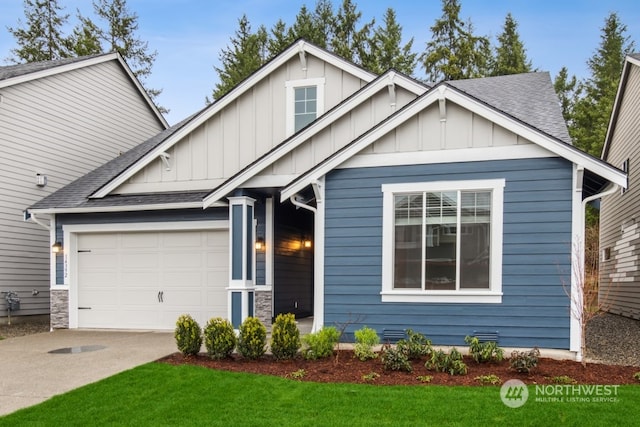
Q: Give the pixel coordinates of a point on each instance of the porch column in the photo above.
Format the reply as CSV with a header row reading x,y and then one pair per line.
x,y
241,243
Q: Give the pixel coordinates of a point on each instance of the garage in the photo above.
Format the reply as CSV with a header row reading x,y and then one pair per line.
x,y
146,280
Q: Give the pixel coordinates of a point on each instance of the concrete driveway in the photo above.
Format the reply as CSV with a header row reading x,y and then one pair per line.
x,y
30,373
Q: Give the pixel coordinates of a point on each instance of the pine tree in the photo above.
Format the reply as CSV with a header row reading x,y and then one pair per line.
x,y
350,42
41,38
85,40
314,27
510,54
247,53
567,90
592,111
385,51
454,52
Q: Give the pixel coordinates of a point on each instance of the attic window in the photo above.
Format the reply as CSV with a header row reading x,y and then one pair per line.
x,y
305,103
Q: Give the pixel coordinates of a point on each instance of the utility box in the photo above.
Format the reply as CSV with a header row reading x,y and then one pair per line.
x,y
13,301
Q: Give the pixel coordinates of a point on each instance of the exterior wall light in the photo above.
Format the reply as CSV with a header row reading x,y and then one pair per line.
x,y
56,248
259,244
306,243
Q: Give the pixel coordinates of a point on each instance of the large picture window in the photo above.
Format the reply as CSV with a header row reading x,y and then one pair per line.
x,y
443,241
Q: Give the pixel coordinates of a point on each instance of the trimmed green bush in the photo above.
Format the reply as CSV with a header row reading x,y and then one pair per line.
x,y
415,346
320,344
252,340
482,352
366,338
285,337
219,338
443,362
395,359
524,361
188,335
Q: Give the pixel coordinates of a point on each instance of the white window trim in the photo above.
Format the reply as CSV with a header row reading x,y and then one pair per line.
x,y
291,85
491,296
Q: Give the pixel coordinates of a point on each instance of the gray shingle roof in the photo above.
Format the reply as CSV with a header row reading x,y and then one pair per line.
x,y
528,97
10,71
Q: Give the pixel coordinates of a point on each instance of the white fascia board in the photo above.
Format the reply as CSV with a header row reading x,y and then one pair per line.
x,y
553,145
133,208
298,139
58,69
223,102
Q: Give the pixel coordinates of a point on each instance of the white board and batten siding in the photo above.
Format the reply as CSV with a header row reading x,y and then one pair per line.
x,y
146,280
620,212
246,129
62,126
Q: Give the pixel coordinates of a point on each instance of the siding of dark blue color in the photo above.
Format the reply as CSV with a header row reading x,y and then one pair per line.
x,y
129,217
536,254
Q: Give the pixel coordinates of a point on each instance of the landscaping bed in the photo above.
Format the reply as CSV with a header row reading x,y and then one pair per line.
x,y
343,367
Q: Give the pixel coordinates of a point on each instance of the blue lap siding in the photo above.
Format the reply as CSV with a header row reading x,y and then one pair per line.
x,y
536,254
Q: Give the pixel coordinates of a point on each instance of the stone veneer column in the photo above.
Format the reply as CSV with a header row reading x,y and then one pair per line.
x,y
264,304
59,309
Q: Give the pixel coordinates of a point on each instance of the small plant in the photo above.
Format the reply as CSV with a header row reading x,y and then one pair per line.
x,y
424,378
524,361
219,338
416,345
366,338
395,359
252,340
370,377
483,352
563,379
320,344
637,376
297,375
443,362
188,335
488,379
285,337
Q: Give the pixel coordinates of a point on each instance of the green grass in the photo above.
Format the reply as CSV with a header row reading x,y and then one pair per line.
x,y
160,394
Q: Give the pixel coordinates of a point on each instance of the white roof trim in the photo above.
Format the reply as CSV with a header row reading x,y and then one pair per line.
x,y
83,64
307,133
128,208
217,106
454,95
617,103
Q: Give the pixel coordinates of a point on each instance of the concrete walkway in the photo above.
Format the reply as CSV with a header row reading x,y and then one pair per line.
x,y
30,374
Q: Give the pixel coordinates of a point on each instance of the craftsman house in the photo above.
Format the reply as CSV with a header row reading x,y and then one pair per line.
x,y
58,121
317,188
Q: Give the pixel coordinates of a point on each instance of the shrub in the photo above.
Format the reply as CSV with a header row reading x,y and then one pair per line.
x,y
443,362
188,335
563,379
219,338
252,340
424,378
366,338
321,343
488,379
370,377
483,352
415,346
297,375
395,359
524,361
636,376
285,337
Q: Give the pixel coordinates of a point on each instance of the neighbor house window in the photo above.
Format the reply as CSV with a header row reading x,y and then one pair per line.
x,y
625,169
443,241
305,103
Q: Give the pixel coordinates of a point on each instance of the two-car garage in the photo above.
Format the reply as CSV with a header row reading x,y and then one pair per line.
x,y
146,279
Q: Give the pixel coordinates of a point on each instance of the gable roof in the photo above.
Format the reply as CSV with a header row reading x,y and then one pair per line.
x,y
299,47
507,114
12,75
630,61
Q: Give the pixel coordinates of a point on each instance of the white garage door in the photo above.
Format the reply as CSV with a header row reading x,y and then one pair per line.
x,y
146,280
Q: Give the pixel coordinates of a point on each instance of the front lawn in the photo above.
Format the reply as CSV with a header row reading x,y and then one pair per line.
x,y
162,394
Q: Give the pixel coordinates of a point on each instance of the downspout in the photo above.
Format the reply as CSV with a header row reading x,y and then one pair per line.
x,y
580,257
318,252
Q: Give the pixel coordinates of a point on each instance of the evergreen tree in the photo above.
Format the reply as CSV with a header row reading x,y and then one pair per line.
x,y
568,91
247,53
350,42
281,38
85,40
454,52
591,113
41,38
510,54
385,51
314,27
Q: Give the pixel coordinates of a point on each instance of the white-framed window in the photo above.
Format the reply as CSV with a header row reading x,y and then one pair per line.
x,y
442,241
305,102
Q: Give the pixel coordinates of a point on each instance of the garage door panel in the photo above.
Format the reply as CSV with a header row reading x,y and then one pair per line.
x,y
122,280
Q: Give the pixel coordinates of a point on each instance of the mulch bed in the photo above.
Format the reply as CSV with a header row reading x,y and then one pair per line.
x,y
343,367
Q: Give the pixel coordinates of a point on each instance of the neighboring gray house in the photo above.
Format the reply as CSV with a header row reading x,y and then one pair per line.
x,y
620,211
317,188
58,121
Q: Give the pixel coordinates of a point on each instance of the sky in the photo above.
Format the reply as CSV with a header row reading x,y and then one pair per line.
x,y
189,35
